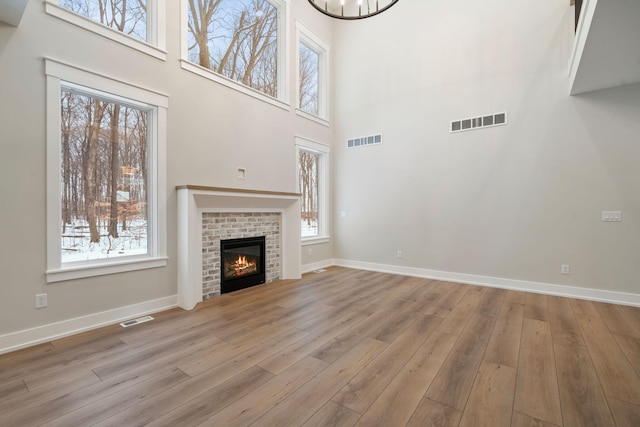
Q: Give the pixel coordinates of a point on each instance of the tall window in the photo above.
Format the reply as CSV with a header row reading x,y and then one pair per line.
x,y
104,174
313,185
308,84
105,145
313,75
309,163
136,23
241,40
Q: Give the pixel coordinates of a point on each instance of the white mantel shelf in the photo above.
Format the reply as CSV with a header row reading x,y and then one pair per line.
x,y
194,200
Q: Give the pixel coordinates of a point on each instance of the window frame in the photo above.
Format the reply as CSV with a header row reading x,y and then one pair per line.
x,y
316,44
282,60
58,75
156,27
324,161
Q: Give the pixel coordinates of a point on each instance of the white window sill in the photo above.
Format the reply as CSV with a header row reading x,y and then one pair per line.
x,y
102,30
313,118
315,240
232,84
101,269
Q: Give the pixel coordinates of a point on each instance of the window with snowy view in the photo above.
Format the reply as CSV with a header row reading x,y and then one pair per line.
x,y
308,170
313,185
104,177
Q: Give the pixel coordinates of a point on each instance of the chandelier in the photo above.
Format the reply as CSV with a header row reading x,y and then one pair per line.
x,y
352,9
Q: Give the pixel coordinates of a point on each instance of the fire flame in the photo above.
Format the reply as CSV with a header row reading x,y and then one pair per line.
x,y
242,264
242,261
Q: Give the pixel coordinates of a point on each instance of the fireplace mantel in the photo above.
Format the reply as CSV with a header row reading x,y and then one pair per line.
x,y
194,200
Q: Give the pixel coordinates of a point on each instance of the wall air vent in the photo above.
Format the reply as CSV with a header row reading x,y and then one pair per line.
x,y
364,140
498,119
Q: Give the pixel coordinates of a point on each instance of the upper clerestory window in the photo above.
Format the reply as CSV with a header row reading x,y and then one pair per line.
x,y
239,43
138,24
313,76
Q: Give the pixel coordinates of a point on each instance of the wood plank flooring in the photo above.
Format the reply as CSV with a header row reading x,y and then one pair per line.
x,y
342,348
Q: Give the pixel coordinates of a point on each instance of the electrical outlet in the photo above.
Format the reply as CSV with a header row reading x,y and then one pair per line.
x,y
242,173
41,300
566,269
611,216
399,254
309,251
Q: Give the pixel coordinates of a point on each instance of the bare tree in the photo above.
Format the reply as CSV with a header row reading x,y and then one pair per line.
x,y
260,39
228,65
91,168
309,186
308,80
238,42
66,124
115,170
126,158
127,16
201,14
140,131
99,140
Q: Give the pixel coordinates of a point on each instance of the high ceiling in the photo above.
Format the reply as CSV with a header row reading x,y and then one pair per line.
x,y
607,50
11,11
606,53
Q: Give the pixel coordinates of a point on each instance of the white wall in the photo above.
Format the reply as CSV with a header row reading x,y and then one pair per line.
x,y
512,202
508,202
212,130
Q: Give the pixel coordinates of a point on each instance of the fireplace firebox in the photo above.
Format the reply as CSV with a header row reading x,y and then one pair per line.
x,y
243,263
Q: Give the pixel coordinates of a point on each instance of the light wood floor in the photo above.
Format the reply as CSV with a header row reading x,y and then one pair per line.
x,y
342,348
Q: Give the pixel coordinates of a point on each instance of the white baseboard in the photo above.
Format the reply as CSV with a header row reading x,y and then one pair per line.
x,y
40,334
307,268
600,295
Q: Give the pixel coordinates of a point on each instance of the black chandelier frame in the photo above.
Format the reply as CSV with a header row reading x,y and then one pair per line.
x,y
369,14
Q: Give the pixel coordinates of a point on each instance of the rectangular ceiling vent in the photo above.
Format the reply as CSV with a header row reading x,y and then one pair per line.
x,y
364,141
498,119
136,321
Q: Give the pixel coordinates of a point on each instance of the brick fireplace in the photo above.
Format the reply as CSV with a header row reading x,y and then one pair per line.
x,y
219,227
208,214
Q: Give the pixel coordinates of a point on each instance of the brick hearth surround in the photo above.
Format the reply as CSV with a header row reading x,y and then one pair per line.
x,y
218,226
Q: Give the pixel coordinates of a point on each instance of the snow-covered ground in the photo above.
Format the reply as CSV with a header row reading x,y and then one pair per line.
x,y
76,245
308,230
